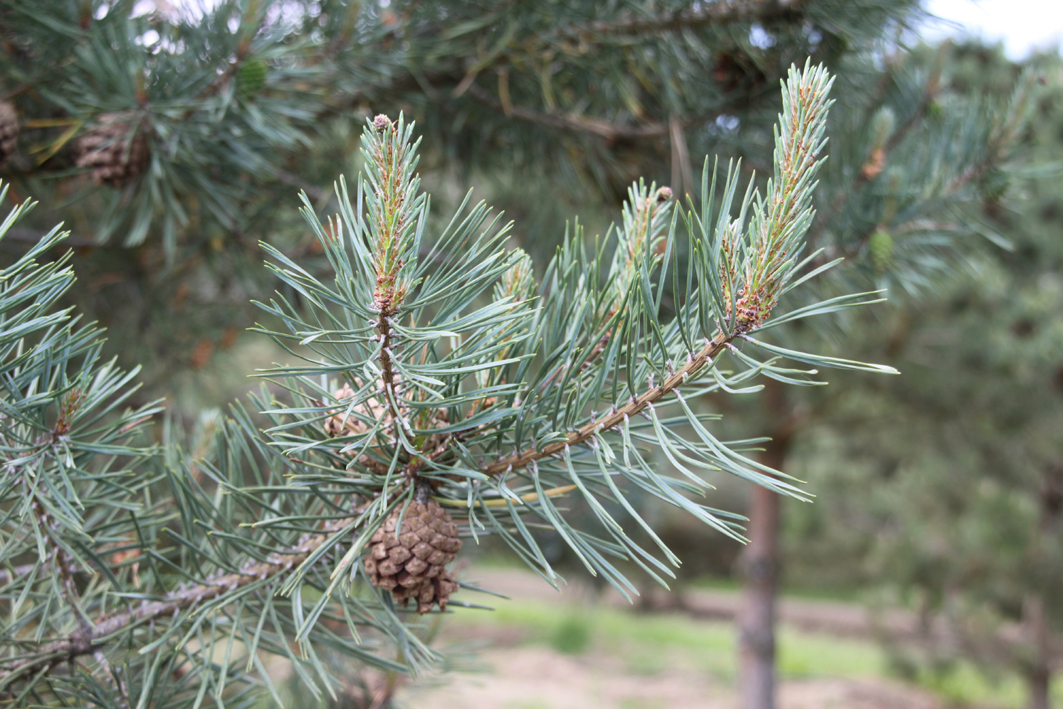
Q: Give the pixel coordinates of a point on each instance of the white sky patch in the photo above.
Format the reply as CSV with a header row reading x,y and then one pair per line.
x,y
1022,25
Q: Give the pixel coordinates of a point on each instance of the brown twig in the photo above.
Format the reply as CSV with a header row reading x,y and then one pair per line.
x,y
569,121
635,406
572,122
85,642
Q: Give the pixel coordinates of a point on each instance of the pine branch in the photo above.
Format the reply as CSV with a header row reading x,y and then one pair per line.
x,y
461,348
1002,133
878,158
778,224
644,220
396,208
609,130
1003,125
714,13
571,122
107,629
615,418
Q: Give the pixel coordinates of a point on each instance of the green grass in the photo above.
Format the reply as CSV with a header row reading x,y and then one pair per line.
x,y
652,643
963,684
572,636
816,655
649,644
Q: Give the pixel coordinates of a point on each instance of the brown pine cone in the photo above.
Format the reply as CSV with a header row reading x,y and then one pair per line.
x,y
107,148
414,563
8,130
342,424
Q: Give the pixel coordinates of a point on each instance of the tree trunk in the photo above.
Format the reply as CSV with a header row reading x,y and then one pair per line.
x,y
1039,674
1034,616
760,567
756,620
1037,684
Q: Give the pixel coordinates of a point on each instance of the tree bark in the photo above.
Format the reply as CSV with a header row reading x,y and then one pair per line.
x,y
1034,615
756,620
1037,684
760,567
1039,674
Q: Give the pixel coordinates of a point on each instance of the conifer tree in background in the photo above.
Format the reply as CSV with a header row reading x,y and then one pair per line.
x,y
898,208
952,473
181,136
436,398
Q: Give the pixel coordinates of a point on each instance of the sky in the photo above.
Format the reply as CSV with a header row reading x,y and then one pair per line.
x,y
1022,25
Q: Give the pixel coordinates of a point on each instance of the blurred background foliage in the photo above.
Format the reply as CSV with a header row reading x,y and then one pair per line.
x,y
550,112
940,490
943,488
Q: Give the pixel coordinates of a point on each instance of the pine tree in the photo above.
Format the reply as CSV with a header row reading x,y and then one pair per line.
x,y
206,122
238,105
896,204
965,512
435,399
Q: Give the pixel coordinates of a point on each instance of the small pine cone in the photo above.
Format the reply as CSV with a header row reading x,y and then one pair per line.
x,y
8,130
107,148
414,563
880,247
343,424
251,78
340,423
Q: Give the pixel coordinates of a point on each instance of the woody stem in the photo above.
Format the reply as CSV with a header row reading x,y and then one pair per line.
x,y
635,406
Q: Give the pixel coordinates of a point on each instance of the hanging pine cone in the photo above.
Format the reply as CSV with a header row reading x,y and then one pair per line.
x,y
414,563
107,148
8,130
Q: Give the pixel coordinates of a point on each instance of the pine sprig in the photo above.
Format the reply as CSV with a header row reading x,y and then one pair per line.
x,y
778,224
425,392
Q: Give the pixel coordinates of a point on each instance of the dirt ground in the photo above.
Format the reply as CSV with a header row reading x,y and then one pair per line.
x,y
529,676
539,678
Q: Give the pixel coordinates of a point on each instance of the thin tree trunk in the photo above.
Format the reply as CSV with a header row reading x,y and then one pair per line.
x,y
756,620
1034,616
760,567
1039,674
1037,684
